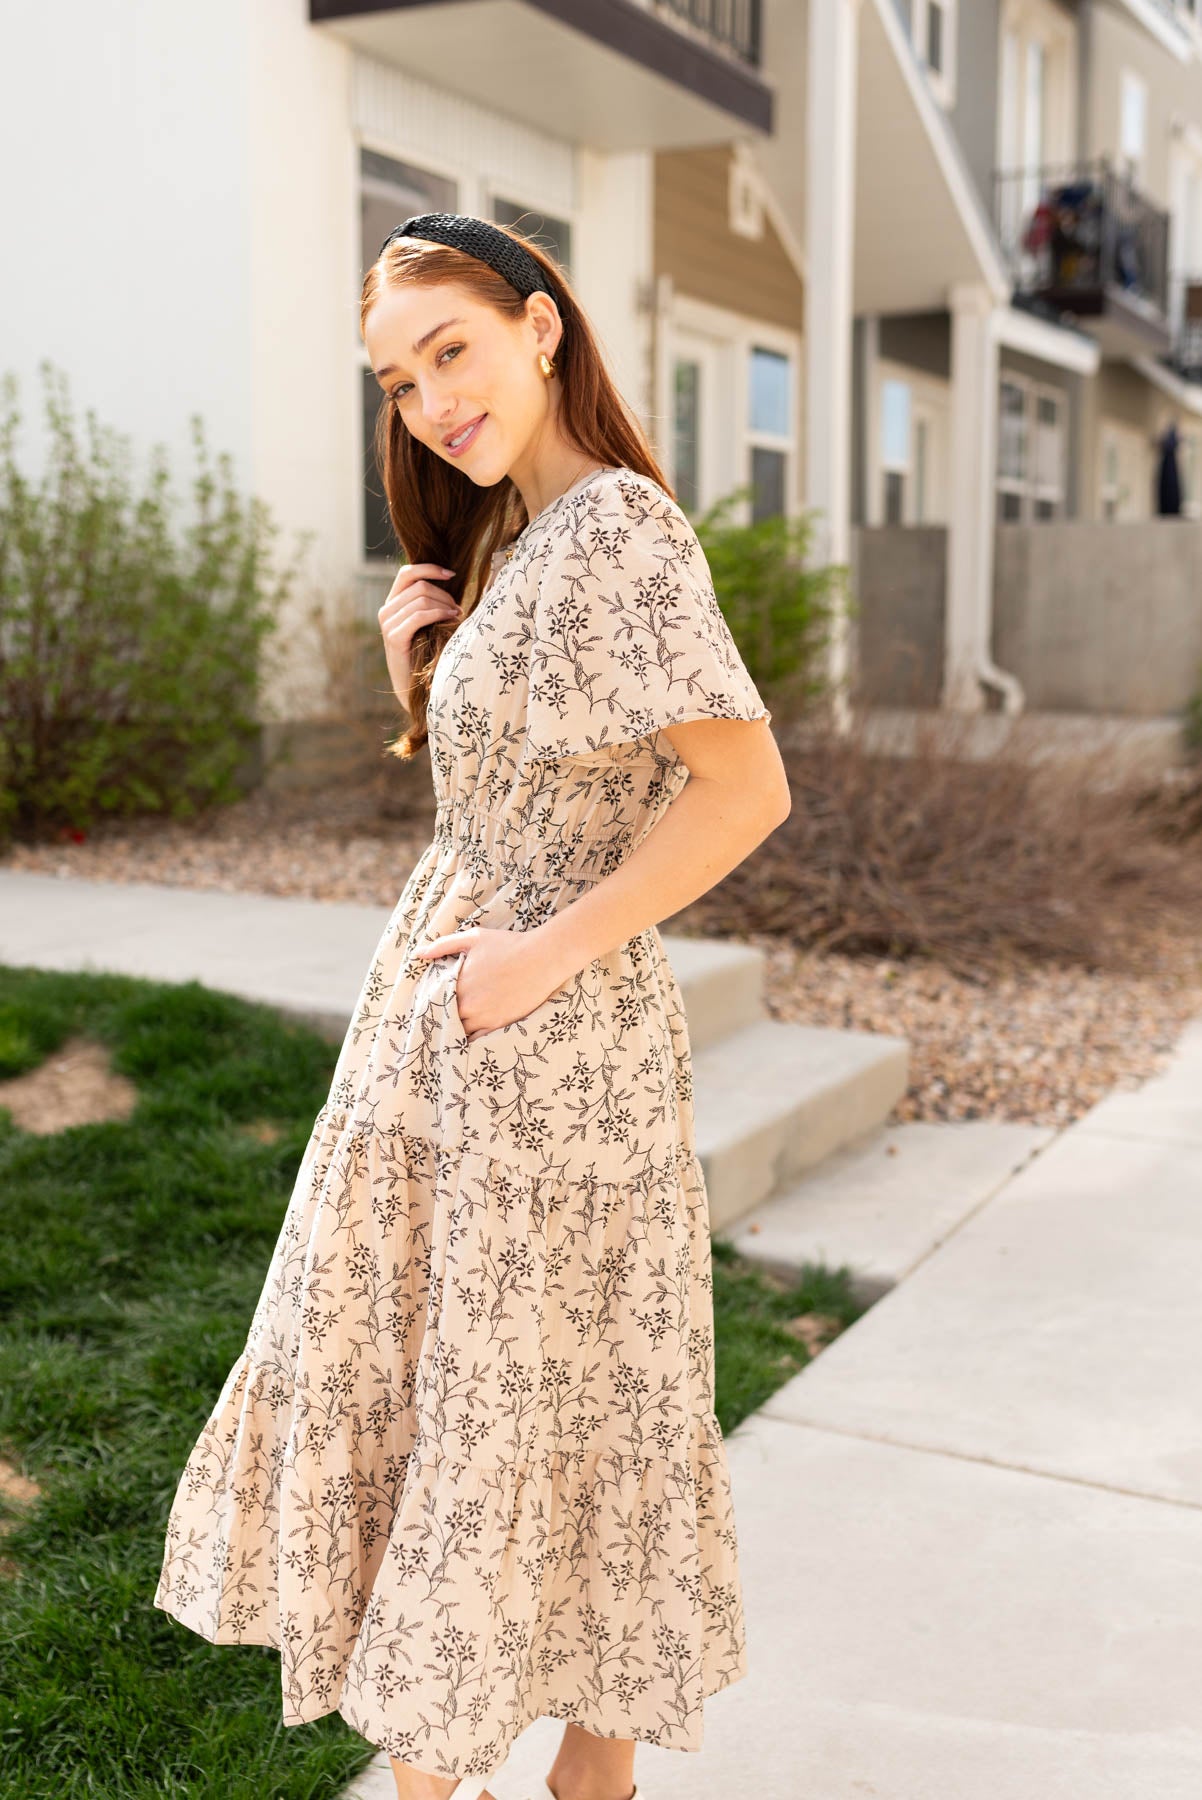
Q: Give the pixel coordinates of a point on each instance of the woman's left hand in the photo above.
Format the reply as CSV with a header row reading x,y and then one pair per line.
x,y
503,976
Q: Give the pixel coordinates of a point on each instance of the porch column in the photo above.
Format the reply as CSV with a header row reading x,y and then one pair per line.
x,y
831,54
973,507
614,261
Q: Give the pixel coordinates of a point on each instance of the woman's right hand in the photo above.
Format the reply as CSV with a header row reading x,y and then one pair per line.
x,y
413,600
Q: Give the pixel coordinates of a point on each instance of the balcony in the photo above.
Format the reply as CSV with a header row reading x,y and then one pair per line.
x,y
1081,241
731,27
612,74
1167,21
1185,355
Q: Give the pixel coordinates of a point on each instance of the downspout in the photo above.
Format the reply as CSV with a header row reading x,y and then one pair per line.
x,y
983,666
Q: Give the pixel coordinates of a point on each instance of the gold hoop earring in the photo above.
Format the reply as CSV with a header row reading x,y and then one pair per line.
x,y
545,363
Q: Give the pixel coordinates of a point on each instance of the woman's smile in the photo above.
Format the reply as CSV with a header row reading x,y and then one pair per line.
x,y
457,444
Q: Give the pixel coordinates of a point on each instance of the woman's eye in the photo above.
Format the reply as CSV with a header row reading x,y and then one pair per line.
x,y
398,391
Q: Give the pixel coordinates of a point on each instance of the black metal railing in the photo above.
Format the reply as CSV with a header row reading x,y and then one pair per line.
x,y
1185,316
1072,232
1177,10
730,25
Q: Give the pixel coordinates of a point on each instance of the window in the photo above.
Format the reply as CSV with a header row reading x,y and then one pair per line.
x,y
389,190
1031,450
1047,494
1109,494
1012,449
769,428
1126,476
550,234
745,197
933,31
726,391
1036,115
1133,121
686,426
895,449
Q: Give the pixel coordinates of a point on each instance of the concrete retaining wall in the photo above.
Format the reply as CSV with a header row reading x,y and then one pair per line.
x,y
1098,617
1091,617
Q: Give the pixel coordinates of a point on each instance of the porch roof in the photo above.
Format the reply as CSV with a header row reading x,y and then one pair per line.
x,y
921,226
612,74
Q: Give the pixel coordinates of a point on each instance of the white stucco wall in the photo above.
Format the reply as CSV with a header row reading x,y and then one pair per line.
x,y
127,217
181,203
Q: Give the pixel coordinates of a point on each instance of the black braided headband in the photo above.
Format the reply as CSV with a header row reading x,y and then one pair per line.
x,y
482,239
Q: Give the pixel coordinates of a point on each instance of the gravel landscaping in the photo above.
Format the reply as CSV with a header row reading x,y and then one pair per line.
x,y
1041,1046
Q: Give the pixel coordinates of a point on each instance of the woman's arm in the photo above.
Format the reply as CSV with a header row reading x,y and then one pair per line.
x,y
736,796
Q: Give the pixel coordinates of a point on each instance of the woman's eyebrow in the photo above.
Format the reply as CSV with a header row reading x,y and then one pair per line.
x,y
390,368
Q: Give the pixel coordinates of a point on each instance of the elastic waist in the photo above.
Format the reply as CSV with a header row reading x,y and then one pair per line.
x,y
498,845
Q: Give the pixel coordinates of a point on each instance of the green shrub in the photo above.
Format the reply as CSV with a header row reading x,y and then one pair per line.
x,y
779,611
130,665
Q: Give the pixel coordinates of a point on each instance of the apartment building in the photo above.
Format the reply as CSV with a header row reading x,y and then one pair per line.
x,y
230,171
927,268
1070,132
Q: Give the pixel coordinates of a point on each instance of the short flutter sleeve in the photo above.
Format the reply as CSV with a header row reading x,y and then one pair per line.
x,y
628,633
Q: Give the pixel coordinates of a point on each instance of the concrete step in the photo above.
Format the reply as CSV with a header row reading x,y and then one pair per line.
x,y
306,957
773,1099
879,1207
722,984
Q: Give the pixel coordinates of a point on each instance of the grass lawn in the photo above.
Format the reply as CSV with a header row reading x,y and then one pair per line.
x,y
132,1253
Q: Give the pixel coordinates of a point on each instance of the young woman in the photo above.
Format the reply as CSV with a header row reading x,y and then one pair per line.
x,y
467,1471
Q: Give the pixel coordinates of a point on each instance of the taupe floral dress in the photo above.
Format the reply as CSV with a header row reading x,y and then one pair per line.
x,y
467,1471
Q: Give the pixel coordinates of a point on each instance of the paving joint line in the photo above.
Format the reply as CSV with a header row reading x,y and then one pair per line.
x,y
992,1462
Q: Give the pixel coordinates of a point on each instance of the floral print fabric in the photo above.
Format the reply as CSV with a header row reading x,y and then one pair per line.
x,y
467,1471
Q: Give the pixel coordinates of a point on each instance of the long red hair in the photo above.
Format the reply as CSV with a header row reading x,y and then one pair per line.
x,y
441,516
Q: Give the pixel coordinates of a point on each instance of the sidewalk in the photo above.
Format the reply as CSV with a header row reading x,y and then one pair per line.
x,y
971,1531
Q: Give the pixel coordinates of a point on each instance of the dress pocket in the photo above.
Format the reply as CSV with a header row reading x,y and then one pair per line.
x,y
558,1020
455,964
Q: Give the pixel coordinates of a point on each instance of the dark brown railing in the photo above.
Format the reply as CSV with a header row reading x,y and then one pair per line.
x,y
1071,232
731,25
1186,354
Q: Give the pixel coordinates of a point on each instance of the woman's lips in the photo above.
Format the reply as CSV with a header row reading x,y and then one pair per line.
x,y
469,440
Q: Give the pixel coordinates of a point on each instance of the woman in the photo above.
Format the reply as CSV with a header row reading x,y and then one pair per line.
x,y
467,1471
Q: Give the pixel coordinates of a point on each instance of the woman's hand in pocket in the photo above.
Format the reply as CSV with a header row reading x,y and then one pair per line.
x,y
502,977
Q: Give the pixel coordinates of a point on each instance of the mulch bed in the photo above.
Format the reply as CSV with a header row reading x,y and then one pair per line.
x,y
1041,1044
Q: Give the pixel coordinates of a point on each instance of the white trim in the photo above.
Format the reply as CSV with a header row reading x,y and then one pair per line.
x,y
1055,344
1190,466
1133,86
744,194
930,401
1187,394
1113,431
1170,35
942,80
1026,486
422,121
737,334
1027,22
945,148
772,209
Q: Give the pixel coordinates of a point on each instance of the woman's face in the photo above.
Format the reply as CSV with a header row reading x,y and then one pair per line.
x,y
449,363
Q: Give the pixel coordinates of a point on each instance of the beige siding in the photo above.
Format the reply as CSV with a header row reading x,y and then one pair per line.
x,y
705,258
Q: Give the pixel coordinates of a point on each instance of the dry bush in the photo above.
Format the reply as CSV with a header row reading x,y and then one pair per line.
x,y
1173,805
981,862
346,689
